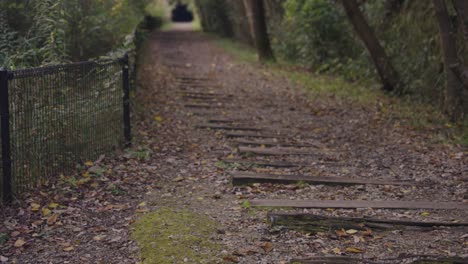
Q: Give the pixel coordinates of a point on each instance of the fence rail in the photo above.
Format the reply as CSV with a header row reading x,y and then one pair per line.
x,y
54,117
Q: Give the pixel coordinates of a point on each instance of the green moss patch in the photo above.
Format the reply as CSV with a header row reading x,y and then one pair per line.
x,y
171,236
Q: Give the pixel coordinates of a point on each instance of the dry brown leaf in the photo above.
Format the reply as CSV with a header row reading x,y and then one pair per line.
x,y
52,219
267,246
336,251
230,258
368,232
19,243
35,207
341,233
354,250
178,179
68,249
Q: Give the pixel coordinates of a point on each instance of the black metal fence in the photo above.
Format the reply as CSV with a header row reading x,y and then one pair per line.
x,y
54,117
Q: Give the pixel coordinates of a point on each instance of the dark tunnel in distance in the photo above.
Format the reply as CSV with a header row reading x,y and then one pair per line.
x,y
181,13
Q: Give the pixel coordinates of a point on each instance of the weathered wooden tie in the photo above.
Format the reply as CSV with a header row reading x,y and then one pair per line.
x,y
275,151
241,178
410,259
320,223
274,143
254,135
352,204
226,127
274,164
207,106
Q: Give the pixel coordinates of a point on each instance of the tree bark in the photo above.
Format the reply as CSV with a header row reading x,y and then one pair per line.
x,y
385,69
454,87
462,12
256,15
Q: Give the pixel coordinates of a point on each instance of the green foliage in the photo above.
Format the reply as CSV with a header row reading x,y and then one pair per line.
x,y
41,32
215,16
316,34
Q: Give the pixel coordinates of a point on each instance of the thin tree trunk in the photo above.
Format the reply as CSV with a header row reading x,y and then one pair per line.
x,y
454,87
462,11
256,15
387,73
202,15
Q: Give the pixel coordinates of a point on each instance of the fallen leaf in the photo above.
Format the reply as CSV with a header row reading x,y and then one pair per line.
x,y
341,233
354,250
99,237
267,246
230,258
142,204
351,231
336,251
158,119
53,205
35,207
368,232
52,219
89,163
68,249
19,243
3,259
178,179
425,213
46,211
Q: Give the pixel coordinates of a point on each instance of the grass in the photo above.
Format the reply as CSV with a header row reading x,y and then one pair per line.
x,y
171,236
402,111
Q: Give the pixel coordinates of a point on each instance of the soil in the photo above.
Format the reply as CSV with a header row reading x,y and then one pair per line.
x,y
173,164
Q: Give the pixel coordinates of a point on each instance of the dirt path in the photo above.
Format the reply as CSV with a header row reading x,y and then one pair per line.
x,y
194,102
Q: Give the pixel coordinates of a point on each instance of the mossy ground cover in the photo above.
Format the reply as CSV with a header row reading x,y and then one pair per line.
x,y
175,236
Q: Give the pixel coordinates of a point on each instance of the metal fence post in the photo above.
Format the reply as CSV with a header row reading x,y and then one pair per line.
x,y
126,101
7,189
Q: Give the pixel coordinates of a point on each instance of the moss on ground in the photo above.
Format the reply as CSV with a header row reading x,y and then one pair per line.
x,y
172,236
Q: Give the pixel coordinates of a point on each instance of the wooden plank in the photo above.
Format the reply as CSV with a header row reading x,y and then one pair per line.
x,y
253,135
241,178
220,121
208,94
192,78
410,259
320,223
207,99
226,127
207,106
274,164
327,260
274,143
352,204
275,151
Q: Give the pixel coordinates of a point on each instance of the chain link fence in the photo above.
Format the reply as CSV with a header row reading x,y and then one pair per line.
x,y
54,117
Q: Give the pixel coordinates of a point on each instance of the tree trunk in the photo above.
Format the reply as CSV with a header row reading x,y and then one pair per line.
x,y
462,12
256,15
454,87
201,15
387,73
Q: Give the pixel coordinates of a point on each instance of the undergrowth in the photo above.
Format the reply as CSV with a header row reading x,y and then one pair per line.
x,y
403,111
